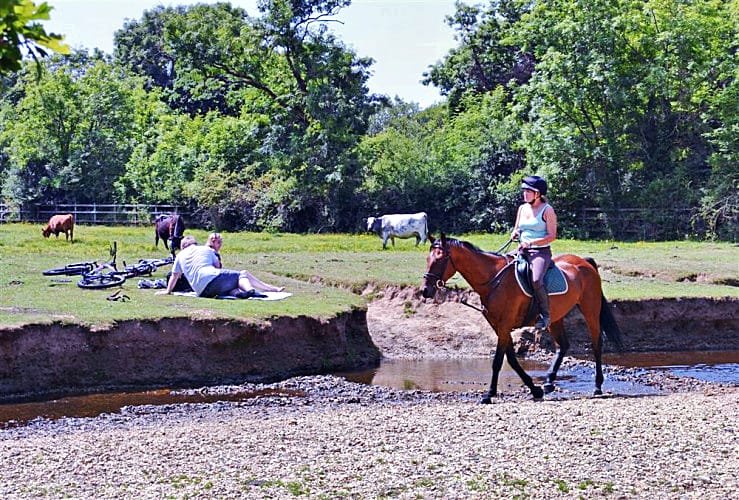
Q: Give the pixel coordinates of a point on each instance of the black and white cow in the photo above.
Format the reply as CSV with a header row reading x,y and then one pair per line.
x,y
399,226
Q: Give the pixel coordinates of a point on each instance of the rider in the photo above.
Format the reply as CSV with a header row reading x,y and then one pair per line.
x,y
535,229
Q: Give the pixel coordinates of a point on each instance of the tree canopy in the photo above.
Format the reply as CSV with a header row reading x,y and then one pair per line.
x,y
265,120
19,31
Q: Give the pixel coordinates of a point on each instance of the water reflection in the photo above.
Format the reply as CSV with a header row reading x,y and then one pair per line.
x,y
474,374
440,375
709,366
92,405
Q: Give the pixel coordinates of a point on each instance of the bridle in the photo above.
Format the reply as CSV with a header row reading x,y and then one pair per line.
x,y
444,259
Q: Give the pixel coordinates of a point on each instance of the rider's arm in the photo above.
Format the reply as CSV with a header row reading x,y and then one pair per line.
x,y
551,219
516,233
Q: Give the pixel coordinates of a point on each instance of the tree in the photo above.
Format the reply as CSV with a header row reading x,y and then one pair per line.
x,y
19,31
450,166
72,133
287,73
485,58
614,112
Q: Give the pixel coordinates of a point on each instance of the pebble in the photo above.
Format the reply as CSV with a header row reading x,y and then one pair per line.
x,y
324,437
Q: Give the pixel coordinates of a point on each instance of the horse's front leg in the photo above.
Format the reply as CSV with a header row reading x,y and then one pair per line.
x,y
557,330
536,391
497,365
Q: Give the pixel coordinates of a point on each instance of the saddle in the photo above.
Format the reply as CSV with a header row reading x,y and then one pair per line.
x,y
555,282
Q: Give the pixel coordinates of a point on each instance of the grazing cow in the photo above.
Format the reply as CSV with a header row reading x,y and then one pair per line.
x,y
399,226
60,224
169,228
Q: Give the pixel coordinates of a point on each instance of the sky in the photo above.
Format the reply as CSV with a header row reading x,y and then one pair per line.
x,y
404,37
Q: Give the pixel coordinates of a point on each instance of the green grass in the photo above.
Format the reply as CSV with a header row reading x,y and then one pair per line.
x,y
323,271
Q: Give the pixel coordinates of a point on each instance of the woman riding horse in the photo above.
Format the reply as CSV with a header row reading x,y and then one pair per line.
x,y
535,230
506,306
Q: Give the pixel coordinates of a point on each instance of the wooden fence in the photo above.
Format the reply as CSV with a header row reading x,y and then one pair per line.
x,y
639,224
125,214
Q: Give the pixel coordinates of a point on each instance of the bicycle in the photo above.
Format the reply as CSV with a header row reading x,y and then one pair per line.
x,y
145,267
71,269
107,275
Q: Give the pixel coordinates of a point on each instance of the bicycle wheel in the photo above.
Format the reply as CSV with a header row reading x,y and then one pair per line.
x,y
100,281
71,269
140,269
162,262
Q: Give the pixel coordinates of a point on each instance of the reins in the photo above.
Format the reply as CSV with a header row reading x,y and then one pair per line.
x,y
494,282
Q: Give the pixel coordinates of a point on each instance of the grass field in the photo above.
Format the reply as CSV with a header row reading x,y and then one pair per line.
x,y
322,271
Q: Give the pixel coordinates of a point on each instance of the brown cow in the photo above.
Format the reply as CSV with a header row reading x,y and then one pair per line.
x,y
60,224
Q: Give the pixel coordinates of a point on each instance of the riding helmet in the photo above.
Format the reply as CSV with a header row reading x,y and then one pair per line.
x,y
535,183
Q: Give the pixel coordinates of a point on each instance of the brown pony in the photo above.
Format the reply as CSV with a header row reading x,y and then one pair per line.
x,y
169,228
506,307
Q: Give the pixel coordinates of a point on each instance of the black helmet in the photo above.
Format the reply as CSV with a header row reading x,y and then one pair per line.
x,y
535,183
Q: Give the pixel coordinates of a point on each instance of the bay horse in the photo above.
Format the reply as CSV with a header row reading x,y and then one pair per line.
x,y
506,307
169,228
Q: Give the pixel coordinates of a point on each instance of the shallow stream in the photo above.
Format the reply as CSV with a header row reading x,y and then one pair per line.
x,y
474,374
432,374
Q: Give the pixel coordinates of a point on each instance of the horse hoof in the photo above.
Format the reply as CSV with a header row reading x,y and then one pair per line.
x,y
548,388
597,392
486,400
537,392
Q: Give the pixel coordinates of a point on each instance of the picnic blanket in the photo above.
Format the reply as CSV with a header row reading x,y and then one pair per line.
x,y
266,296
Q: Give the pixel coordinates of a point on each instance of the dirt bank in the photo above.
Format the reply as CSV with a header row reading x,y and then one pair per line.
x,y
404,325
45,360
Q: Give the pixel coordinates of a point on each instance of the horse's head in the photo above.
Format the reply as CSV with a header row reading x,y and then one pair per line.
x,y
175,242
439,266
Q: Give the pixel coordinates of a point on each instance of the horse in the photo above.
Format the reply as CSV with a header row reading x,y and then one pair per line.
x,y
169,227
505,306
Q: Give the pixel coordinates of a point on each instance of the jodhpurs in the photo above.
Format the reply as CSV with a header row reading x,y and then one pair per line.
x,y
540,259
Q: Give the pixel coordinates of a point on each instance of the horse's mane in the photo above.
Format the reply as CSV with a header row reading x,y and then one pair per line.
x,y
470,246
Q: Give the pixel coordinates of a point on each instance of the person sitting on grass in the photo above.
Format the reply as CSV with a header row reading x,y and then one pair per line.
x,y
198,264
215,241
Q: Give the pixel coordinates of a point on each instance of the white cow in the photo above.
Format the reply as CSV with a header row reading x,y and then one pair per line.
x,y
399,226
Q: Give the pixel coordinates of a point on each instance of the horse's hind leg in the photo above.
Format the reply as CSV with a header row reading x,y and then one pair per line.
x,y
597,351
594,328
559,335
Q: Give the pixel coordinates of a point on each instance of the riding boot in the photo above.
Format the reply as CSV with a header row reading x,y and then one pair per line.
x,y
542,300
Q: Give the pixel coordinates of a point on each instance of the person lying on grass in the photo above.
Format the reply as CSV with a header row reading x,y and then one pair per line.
x,y
198,264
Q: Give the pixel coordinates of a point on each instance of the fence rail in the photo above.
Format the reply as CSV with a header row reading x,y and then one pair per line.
x,y
640,224
94,213
587,223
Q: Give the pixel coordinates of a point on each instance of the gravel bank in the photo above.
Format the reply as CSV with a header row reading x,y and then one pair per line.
x,y
341,440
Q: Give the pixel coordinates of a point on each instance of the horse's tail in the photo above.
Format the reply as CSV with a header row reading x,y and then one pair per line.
x,y
608,324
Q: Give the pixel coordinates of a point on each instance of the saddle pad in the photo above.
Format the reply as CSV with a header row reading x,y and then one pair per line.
x,y
269,296
554,282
